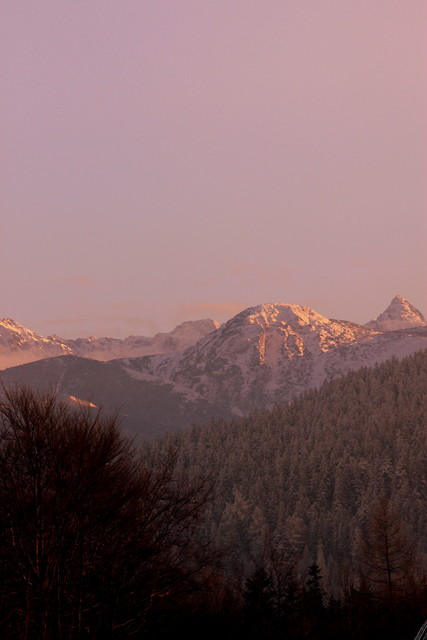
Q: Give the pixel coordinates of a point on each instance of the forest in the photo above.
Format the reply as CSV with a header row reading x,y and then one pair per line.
x,y
307,521
324,481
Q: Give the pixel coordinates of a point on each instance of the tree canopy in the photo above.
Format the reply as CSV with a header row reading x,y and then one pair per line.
x,y
94,539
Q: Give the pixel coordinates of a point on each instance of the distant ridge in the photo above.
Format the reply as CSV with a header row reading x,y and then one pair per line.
x,y
19,345
265,355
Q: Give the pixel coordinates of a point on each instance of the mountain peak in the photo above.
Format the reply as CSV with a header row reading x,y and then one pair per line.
x,y
10,326
269,314
9,323
400,314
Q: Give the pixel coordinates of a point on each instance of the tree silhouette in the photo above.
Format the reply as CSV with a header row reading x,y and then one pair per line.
x,y
386,554
314,591
93,539
258,603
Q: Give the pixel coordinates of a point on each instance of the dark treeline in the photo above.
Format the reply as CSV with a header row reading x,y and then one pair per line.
x,y
308,521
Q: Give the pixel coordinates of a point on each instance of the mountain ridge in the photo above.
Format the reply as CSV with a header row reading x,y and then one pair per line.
x,y
268,353
264,356
19,345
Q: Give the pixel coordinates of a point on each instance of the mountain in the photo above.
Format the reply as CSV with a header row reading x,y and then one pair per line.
x,y
19,345
270,353
264,356
146,406
184,335
400,314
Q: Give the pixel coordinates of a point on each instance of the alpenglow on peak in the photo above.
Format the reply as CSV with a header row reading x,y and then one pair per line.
x,y
400,314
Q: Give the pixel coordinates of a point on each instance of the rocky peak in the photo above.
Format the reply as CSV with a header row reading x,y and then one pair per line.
x,y
400,314
10,330
12,325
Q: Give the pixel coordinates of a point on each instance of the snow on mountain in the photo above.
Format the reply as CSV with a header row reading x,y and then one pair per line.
x,y
81,403
180,338
19,345
400,314
265,355
269,353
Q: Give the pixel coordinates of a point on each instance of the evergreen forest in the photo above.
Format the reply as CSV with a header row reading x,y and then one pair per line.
x,y
323,482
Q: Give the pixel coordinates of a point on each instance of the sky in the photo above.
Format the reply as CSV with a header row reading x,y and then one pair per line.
x,y
163,161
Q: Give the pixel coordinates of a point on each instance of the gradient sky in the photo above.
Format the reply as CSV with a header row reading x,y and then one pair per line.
x,y
172,160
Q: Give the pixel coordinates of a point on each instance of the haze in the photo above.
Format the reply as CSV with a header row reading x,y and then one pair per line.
x,y
164,161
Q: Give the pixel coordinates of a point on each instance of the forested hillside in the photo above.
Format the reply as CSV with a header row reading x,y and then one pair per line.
x,y
305,522
308,478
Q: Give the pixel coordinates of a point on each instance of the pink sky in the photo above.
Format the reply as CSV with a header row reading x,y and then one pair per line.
x,y
164,161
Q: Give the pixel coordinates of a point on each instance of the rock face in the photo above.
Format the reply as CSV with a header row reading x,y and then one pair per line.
x,y
400,314
19,345
264,355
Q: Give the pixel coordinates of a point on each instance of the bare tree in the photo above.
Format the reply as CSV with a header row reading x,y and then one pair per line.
x,y
386,554
92,537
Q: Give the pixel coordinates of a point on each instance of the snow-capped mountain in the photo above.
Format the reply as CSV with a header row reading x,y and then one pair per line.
x,y
184,335
269,353
400,314
19,345
264,355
